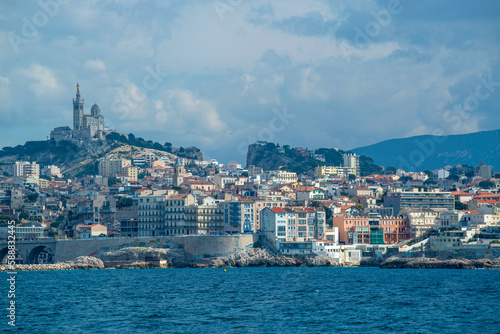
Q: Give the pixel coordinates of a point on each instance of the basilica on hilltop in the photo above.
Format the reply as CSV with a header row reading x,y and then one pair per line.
x,y
90,127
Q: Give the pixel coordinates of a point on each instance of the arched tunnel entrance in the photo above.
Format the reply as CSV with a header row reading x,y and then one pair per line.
x,y
40,255
3,256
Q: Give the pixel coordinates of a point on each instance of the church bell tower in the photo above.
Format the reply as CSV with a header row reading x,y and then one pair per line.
x,y
77,110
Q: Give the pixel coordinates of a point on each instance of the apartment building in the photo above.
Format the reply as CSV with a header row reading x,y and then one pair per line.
x,y
419,200
395,229
25,168
420,220
204,219
175,213
266,202
151,215
352,229
280,225
239,216
113,167
100,209
336,171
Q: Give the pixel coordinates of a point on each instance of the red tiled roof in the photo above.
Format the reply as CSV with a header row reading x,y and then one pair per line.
x,y
278,210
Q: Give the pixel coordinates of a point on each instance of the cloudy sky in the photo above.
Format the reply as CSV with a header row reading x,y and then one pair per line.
x,y
222,74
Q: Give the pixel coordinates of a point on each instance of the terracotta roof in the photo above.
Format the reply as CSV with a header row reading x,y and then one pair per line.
x,y
278,210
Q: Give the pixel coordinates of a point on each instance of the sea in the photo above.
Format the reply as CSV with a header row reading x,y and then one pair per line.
x,y
255,300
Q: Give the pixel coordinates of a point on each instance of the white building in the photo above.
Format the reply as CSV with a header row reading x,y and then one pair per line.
x,y
25,168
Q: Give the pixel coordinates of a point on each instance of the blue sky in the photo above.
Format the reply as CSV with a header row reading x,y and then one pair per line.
x,y
221,74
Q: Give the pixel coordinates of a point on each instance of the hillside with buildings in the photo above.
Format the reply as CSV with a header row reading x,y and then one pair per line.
x,y
91,182
270,156
76,151
429,152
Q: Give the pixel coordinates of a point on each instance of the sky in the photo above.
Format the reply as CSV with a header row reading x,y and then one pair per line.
x,y
222,74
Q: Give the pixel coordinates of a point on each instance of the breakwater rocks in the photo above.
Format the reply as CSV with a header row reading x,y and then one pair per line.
x,y
82,262
144,257
431,263
258,257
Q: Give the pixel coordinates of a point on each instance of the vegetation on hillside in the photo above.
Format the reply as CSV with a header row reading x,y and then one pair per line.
x,y
272,157
131,139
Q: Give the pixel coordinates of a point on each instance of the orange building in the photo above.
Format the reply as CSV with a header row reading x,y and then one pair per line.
x,y
395,230
352,229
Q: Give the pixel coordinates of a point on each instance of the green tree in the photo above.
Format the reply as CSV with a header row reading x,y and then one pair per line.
x,y
123,202
487,184
352,177
113,180
405,179
453,177
32,197
461,206
24,215
429,174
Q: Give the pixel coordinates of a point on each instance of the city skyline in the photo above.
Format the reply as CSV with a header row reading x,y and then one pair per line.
x,y
218,75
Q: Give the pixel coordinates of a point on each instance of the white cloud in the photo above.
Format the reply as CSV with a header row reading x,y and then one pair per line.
x,y
96,64
44,81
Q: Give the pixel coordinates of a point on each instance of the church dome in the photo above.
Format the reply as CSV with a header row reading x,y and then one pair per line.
x,y
95,111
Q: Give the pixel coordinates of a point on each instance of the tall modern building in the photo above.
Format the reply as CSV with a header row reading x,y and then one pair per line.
x,y
25,168
351,160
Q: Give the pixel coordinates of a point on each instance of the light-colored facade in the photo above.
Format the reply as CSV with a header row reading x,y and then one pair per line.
x,y
419,200
91,231
292,224
310,194
266,202
175,213
335,171
221,181
420,220
25,168
52,171
351,160
109,167
204,219
151,215
29,231
86,126
283,176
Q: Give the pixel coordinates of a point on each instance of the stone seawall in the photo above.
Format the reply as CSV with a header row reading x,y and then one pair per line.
x,y
200,246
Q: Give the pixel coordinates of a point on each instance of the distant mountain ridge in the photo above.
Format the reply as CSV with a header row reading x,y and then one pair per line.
x,y
431,152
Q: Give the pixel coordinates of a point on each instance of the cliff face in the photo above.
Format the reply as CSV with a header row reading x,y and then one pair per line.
x,y
266,158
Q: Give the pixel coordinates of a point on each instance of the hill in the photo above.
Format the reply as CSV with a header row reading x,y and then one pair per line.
x,y
431,152
77,158
270,156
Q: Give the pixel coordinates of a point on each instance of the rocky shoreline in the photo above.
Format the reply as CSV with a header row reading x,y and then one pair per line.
x,y
82,262
430,263
147,257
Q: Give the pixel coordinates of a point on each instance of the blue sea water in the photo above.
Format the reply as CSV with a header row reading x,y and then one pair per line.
x,y
256,300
